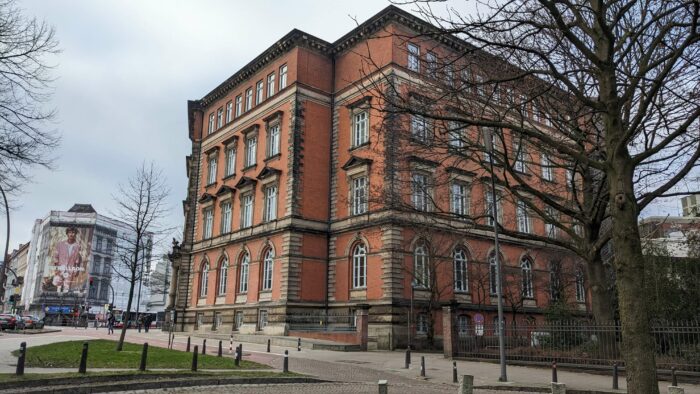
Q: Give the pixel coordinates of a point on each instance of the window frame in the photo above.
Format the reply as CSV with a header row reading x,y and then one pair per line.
x,y
220,118
243,273
225,227
522,214
229,111
208,223
210,128
270,84
248,99
359,266
259,92
251,150
270,204
413,57
274,139
223,277
212,169
526,284
247,209
268,270
459,203
239,106
421,269
204,280
360,127
547,167
230,155
460,262
359,202
421,193
283,77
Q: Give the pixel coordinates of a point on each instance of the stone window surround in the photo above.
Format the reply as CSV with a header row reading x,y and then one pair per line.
x,y
363,104
275,119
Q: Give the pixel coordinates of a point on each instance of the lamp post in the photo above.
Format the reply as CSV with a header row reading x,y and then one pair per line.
x,y
410,313
488,142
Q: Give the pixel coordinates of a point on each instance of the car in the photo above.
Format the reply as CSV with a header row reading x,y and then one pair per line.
x,y
33,322
10,321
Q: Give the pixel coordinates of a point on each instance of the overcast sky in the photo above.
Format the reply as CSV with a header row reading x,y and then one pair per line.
x,y
124,76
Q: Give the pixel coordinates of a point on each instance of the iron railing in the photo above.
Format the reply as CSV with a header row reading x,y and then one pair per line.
x,y
580,343
346,323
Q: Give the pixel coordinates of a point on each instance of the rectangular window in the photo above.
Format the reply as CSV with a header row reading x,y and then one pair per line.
x,y
226,218
243,288
248,99
449,75
455,134
270,203
211,124
218,320
259,93
413,58
570,178
271,85
459,199
519,164
549,228
420,192
230,161
239,320
229,111
239,105
208,223
283,77
219,118
211,175
419,128
422,324
360,133
251,149
547,172
523,217
431,64
273,140
98,245
490,207
480,83
262,319
359,195
247,210
108,246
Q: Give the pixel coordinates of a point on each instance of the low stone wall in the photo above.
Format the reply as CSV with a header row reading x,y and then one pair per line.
x,y
345,337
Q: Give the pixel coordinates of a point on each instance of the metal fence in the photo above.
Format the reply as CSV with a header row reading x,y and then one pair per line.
x,y
338,323
581,343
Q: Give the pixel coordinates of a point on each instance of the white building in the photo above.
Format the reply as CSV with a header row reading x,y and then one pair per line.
x,y
64,279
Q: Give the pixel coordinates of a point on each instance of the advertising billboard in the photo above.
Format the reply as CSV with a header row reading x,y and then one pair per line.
x,y
67,259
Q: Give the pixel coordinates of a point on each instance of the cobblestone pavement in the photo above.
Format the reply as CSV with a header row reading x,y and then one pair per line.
x,y
310,388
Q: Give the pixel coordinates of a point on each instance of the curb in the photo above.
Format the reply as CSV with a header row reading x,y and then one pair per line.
x,y
542,389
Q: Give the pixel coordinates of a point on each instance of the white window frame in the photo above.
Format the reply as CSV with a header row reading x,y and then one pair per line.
x,y
283,76
519,164
359,266
455,135
226,213
273,139
463,325
251,150
243,276
523,217
413,52
247,201
239,105
546,164
207,231
360,128
229,111
271,84
262,319
461,271
259,92
268,269
580,286
493,274
489,201
212,169
550,230
270,210
223,277
204,280
421,269
220,118
422,323
230,161
248,99
431,66
420,128
211,123
526,267
420,191
360,189
459,194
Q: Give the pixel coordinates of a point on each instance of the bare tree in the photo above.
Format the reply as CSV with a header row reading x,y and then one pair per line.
x,y
141,205
25,87
604,90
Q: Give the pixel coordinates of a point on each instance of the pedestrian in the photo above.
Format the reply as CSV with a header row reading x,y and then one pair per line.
x,y
147,322
139,322
110,324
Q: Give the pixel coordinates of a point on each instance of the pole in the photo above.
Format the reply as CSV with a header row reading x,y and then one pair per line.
x,y
499,290
410,315
3,274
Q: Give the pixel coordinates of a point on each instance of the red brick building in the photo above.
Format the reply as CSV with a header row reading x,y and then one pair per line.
x,y
296,206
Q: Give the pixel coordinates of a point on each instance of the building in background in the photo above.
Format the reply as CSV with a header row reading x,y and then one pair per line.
x,y
74,269
691,205
159,288
16,269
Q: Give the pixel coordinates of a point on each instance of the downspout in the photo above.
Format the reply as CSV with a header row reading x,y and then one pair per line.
x,y
330,184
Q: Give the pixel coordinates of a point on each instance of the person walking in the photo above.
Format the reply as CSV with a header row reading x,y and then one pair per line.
x,y
110,324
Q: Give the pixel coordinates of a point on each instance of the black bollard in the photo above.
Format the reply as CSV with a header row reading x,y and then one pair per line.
x,y
239,353
422,366
219,349
236,360
268,345
194,359
454,372
20,359
204,346
285,363
83,359
615,373
298,344
407,363
230,344
188,344
554,372
144,355
674,379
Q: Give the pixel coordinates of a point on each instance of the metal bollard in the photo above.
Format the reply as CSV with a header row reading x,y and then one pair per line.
x,y
285,363
204,347
83,359
188,344
268,345
144,355
230,344
454,372
554,372
20,359
407,362
383,387
240,351
674,379
467,385
298,344
236,359
194,359
422,366
219,349
615,374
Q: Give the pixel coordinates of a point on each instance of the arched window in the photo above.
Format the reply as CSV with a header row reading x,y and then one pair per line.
x,y
243,278
421,261
223,276
204,279
493,273
554,280
268,266
526,272
463,325
460,265
359,266
580,288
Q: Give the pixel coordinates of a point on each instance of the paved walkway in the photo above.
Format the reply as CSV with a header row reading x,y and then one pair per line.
x,y
352,367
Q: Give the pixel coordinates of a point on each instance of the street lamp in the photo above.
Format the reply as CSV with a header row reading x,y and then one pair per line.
x,y
410,313
488,142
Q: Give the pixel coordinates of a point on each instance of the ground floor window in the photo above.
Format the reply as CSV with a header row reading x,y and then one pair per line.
x,y
200,320
218,320
262,319
422,323
238,322
463,325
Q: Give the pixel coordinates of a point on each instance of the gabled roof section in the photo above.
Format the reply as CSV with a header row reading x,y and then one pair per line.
x,y
267,172
245,181
225,189
206,197
355,161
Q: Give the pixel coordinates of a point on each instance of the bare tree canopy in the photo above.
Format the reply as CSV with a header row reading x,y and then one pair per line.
x,y
25,87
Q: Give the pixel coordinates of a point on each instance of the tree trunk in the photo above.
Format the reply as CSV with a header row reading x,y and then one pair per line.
x,y
120,344
637,343
602,307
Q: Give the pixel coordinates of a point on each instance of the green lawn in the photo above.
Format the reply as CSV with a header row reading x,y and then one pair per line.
x,y
11,377
101,354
